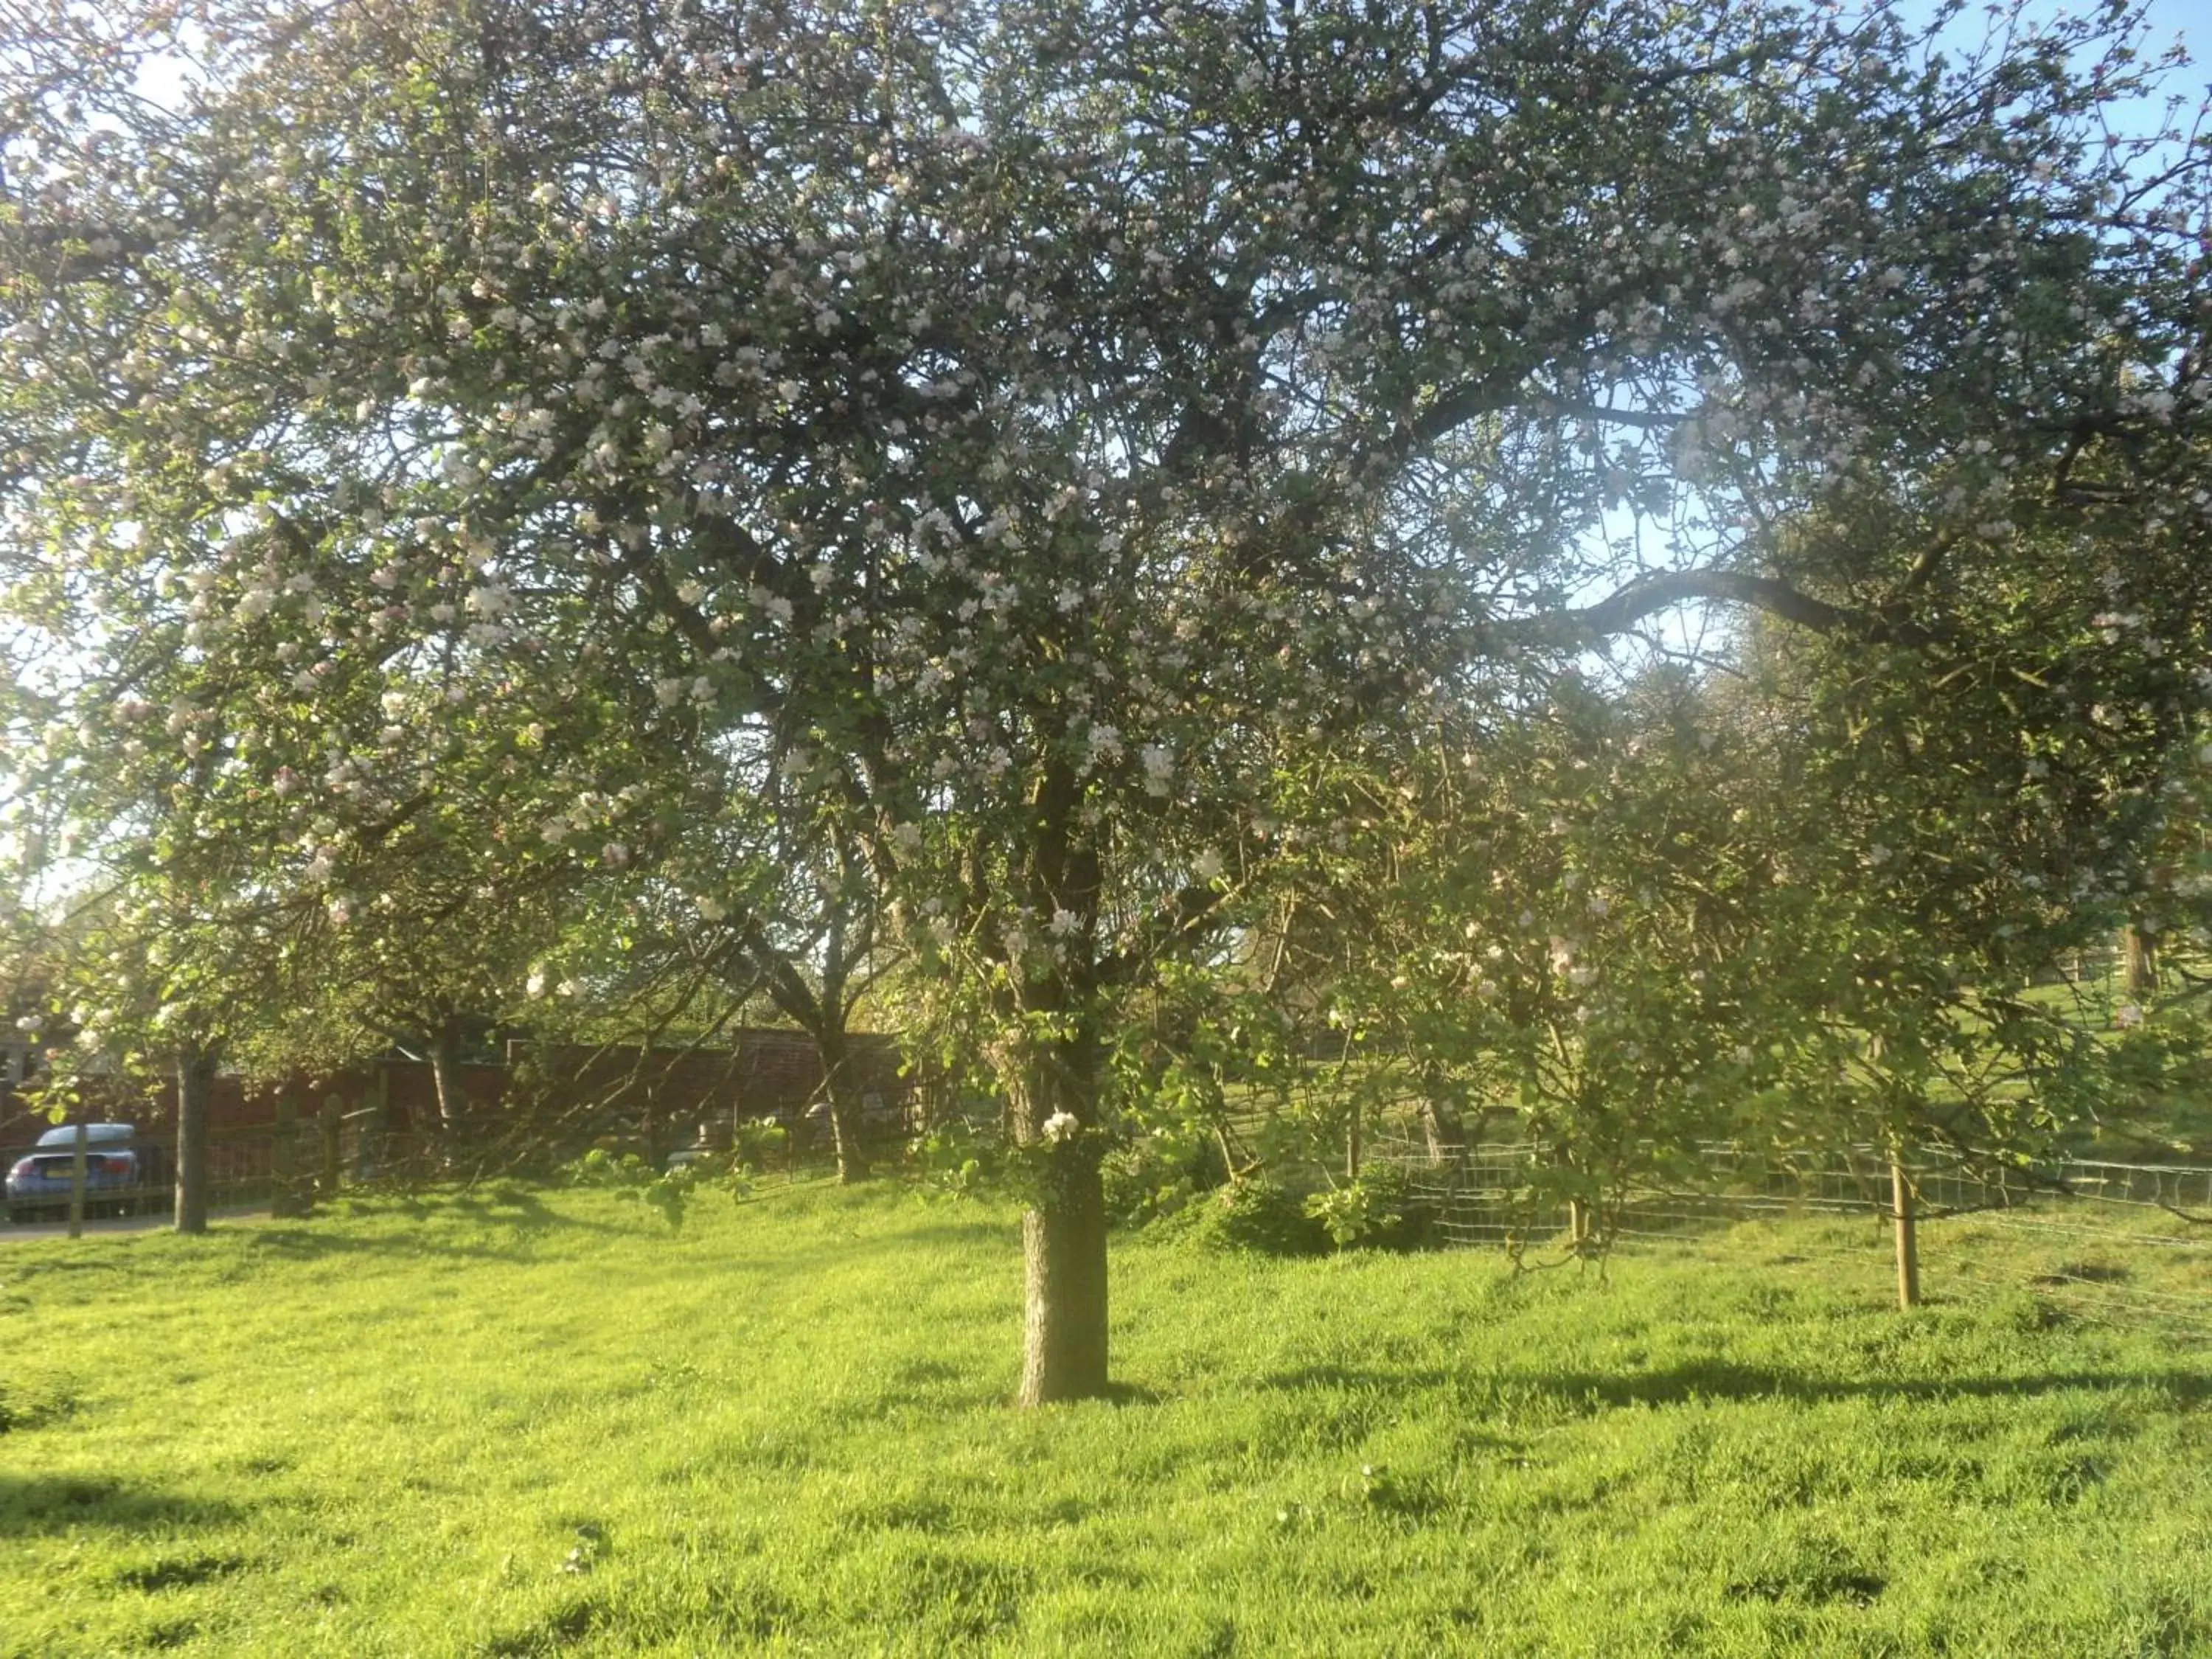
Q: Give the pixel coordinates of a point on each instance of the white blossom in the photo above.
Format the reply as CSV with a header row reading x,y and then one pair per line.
x,y
1158,762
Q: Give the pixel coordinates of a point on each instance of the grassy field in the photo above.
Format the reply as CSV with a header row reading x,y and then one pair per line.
x,y
524,1422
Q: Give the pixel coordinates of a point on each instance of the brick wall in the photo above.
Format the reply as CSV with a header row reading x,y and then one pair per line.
x,y
764,1072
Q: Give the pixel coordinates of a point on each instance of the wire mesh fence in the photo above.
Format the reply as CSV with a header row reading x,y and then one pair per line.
x,y
2127,1241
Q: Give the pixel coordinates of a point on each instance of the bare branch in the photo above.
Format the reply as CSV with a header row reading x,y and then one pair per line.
x,y
1622,609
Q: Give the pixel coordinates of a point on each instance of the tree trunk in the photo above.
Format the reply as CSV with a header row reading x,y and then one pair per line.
x,y
2138,960
1908,1244
1057,1070
846,1126
1064,1304
1444,1133
1064,1231
822,1015
445,1076
195,1090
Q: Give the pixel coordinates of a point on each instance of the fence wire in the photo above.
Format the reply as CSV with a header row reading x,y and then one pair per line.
x,y
2126,1242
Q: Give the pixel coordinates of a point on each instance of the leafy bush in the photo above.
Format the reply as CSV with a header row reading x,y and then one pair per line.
x,y
758,1141
1159,1175
1379,1209
1351,1213
1418,1218
957,1157
631,1177
1259,1213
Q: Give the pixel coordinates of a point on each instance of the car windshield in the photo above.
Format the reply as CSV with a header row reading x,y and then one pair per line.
x,y
65,1134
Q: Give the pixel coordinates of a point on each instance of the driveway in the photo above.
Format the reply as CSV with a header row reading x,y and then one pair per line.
x,y
11,1232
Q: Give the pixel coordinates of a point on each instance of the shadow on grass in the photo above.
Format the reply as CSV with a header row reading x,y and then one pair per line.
x,y
466,1227
1717,1379
1133,1394
505,1204
516,1206
308,1243
498,1224
1721,1379
31,1503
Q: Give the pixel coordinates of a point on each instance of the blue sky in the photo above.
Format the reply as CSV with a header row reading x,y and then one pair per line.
x,y
2189,21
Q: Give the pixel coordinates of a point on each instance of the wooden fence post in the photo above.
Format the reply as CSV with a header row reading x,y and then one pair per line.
x,y
1908,1245
1578,1221
76,1182
380,1098
285,1199
333,1118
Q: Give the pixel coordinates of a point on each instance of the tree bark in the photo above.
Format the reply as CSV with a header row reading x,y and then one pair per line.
x,y
1908,1244
446,1089
195,1092
1064,1274
845,1127
446,1074
822,1015
1064,1231
1442,1128
2138,960
1058,1063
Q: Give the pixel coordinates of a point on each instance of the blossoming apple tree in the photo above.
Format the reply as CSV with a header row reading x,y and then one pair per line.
x,y
1023,426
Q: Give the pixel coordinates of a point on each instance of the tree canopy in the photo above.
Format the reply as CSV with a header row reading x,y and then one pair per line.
x,y
1013,436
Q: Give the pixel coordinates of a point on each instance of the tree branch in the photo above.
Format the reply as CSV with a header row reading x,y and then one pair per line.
x,y
1626,607
1183,920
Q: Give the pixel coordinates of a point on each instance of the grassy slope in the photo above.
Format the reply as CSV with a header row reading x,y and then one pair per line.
x,y
535,1423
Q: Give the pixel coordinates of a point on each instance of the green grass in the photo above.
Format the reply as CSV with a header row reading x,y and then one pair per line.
x,y
538,1423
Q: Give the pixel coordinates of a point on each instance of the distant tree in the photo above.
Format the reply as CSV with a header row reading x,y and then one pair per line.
x,y
743,904
1556,916
1940,858
161,975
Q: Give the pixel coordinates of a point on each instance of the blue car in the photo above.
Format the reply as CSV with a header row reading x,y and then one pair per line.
x,y
118,1172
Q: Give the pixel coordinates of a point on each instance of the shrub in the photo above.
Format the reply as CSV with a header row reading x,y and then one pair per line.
x,y
1260,1213
1378,1209
1158,1176
957,1157
757,1142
